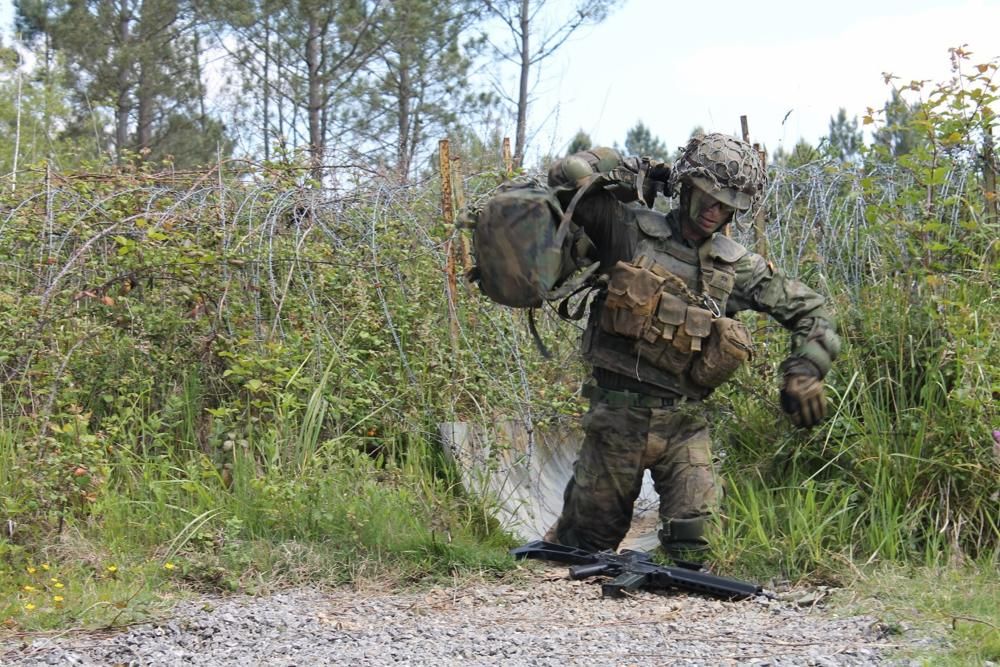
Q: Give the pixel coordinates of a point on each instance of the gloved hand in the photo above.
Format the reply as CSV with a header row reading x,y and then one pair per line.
x,y
654,180
659,171
802,395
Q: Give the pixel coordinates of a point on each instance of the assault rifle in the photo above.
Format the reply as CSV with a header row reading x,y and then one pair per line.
x,y
636,569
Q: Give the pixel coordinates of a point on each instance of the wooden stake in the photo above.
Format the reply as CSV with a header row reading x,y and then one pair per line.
x,y
459,186
508,160
760,241
448,214
444,166
759,223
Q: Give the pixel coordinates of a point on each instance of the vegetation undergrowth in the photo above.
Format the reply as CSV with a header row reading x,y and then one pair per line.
x,y
237,383
228,398
951,612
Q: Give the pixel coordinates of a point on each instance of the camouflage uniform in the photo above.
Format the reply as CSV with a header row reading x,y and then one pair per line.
x,y
643,416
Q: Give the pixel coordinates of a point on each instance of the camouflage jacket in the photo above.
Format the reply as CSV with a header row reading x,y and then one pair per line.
x,y
621,232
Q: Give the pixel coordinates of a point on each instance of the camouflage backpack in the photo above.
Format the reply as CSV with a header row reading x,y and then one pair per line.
x,y
528,251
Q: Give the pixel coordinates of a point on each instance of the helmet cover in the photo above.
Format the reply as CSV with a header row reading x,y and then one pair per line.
x,y
726,168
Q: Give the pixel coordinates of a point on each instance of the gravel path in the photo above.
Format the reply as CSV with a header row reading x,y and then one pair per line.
x,y
546,620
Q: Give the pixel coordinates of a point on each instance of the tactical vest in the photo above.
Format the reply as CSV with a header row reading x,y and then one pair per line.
x,y
659,312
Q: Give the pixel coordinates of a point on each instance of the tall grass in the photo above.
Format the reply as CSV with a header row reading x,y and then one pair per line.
x,y
905,470
180,391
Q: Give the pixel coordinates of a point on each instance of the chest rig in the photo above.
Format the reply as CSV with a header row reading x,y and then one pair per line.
x,y
662,320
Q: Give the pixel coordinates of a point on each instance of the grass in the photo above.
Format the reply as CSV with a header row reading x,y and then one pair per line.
x,y
948,616
287,509
177,461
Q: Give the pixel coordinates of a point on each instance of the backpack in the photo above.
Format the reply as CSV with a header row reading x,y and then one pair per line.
x,y
528,251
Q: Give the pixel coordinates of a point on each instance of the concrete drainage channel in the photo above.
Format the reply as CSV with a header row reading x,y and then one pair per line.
x,y
524,471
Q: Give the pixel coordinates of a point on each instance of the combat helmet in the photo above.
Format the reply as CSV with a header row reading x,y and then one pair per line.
x,y
726,168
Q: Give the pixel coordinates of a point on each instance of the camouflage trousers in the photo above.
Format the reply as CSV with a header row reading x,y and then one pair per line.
x,y
620,443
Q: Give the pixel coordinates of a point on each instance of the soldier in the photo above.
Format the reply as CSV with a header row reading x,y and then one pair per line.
x,y
660,336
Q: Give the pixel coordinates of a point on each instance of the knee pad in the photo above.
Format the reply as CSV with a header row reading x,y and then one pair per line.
x,y
682,538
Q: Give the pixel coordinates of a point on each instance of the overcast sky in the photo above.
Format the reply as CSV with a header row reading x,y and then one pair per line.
x,y
678,65
787,64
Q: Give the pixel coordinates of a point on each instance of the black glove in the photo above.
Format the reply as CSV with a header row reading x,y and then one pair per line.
x,y
802,395
657,174
659,171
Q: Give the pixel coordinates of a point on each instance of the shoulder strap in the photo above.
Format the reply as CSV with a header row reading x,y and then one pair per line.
x,y
588,185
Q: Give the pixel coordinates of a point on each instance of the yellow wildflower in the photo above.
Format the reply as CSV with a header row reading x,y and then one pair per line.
x,y
57,598
32,570
168,565
29,589
57,585
112,568
29,607
45,566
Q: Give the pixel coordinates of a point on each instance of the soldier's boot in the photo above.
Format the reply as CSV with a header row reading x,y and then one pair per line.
x,y
684,539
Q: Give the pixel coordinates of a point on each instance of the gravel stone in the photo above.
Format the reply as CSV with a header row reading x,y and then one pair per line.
x,y
548,620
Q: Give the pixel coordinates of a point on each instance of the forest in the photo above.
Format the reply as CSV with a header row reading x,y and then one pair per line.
x,y
233,314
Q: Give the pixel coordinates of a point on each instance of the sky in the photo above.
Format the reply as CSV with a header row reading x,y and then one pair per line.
x,y
788,65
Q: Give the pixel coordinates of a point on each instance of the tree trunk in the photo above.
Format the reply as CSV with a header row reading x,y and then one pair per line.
x,y
315,100
520,136
403,105
144,123
266,90
123,105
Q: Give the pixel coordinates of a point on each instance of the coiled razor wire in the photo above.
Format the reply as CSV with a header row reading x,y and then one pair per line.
x,y
815,210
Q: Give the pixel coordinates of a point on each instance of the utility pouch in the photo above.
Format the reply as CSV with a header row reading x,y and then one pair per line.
x,y
697,327
667,344
727,347
631,299
670,312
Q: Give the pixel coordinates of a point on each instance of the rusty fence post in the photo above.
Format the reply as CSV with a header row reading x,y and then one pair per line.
x,y
458,182
448,215
759,220
760,240
508,159
458,185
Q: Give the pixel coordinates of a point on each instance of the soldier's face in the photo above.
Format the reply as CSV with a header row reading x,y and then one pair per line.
x,y
706,214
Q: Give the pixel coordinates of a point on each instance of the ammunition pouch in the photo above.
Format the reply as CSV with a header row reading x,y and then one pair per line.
x,y
633,293
671,333
675,335
728,346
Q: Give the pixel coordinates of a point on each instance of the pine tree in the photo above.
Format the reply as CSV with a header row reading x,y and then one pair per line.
x,y
581,142
844,141
639,141
417,85
531,42
898,135
135,62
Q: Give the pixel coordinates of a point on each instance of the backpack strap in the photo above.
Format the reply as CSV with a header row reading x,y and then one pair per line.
x,y
542,350
589,183
577,313
578,282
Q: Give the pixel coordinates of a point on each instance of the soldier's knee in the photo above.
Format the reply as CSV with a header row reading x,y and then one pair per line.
x,y
685,538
